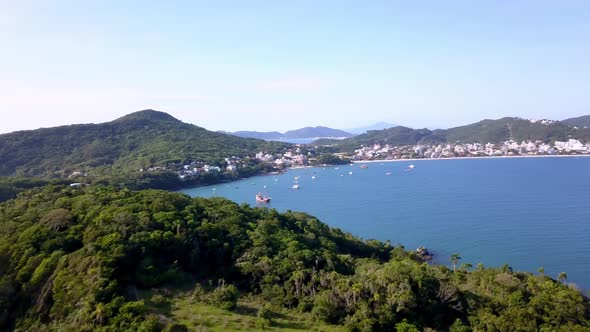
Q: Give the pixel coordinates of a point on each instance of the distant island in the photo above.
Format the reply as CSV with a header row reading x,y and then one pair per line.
x,y
303,133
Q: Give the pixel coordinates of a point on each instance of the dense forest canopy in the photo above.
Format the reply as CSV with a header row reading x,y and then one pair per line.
x,y
81,258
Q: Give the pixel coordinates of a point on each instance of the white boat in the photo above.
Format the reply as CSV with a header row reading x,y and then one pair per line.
x,y
350,173
411,166
313,177
295,186
262,199
388,173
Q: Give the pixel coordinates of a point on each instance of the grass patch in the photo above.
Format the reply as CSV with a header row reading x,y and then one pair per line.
x,y
203,317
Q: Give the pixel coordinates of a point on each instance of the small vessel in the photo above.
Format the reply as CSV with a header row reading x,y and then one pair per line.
x,y
262,199
350,173
313,177
388,173
364,166
337,168
411,166
295,186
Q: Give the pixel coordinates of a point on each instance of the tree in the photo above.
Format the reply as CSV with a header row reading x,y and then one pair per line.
x,y
455,258
466,266
562,277
541,271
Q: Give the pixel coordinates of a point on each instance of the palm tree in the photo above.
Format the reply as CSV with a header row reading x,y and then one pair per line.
x,y
541,271
455,258
562,277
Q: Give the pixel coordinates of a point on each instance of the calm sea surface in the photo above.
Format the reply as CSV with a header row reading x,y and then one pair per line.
x,y
528,212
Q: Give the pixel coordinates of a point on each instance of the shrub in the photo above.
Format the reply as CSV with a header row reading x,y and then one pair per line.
x,y
225,297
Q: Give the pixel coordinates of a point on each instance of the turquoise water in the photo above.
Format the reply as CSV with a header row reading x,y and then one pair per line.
x,y
528,212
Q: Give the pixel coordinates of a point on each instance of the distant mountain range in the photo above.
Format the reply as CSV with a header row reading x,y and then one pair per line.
x,y
303,133
375,126
138,140
485,131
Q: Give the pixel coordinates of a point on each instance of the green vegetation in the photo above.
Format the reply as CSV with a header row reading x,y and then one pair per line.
x,y
581,121
493,131
117,150
99,258
10,187
331,159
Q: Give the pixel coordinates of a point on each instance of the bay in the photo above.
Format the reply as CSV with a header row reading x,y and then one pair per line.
x,y
527,212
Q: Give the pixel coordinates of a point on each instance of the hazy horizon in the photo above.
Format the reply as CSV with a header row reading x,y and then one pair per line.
x,y
278,66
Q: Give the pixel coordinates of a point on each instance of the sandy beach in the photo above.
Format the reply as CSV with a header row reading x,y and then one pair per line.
x,y
479,157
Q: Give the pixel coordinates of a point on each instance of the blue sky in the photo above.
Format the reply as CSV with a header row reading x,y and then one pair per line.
x,y
279,65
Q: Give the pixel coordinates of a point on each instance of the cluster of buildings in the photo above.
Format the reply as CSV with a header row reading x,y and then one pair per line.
x,y
189,170
507,148
287,159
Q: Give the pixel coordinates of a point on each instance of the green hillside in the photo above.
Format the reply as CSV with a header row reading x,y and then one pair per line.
x,y
139,140
100,259
485,131
581,121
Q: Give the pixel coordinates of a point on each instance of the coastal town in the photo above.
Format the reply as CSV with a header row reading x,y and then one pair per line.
x,y
298,156
459,150
304,155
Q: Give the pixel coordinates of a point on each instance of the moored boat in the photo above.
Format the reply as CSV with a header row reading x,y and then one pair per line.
x,y
262,199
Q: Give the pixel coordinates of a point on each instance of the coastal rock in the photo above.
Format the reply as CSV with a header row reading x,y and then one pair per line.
x,y
424,254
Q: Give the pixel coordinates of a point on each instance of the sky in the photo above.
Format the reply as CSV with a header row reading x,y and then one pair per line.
x,y
280,65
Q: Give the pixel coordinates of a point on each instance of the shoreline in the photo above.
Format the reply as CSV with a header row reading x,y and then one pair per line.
x,y
466,158
183,187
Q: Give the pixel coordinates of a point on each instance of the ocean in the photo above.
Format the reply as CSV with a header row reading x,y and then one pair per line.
x,y
527,212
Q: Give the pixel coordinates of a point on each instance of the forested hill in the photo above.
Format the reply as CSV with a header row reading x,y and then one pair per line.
x,y
494,131
138,140
581,121
100,259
